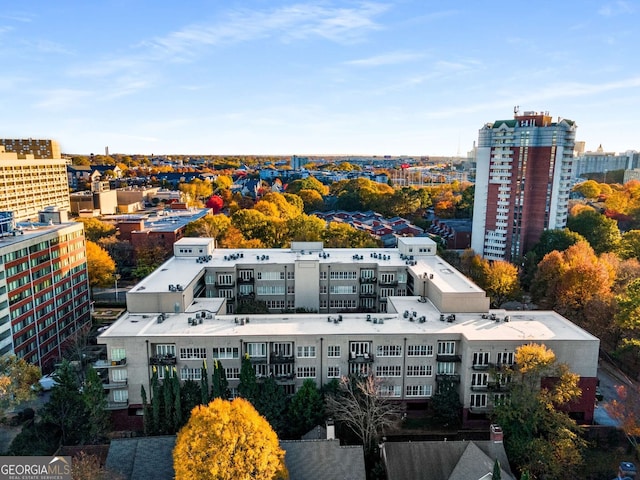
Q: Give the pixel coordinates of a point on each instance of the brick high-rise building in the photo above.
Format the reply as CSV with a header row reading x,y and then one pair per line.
x,y
523,182
44,289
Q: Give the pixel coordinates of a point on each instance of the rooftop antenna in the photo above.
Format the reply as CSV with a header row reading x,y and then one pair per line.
x,y
516,110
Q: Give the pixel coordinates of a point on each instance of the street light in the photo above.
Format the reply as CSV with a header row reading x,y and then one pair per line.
x,y
116,277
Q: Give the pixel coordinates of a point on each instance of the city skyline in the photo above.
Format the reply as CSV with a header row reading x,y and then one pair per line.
x,y
312,78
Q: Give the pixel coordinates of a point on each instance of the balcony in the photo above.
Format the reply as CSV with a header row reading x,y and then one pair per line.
x,y
258,360
360,358
224,284
505,366
497,387
480,410
448,358
288,378
162,360
280,359
368,279
117,405
112,385
110,363
388,283
368,295
245,280
246,296
444,377
481,366
480,388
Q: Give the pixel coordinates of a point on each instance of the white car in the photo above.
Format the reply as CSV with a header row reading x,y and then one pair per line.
x,y
47,382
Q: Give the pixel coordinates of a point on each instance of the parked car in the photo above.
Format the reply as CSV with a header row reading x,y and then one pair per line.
x,y
47,382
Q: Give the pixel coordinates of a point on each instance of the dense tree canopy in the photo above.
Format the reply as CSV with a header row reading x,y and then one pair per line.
x,y
17,376
228,441
100,265
601,232
95,229
539,437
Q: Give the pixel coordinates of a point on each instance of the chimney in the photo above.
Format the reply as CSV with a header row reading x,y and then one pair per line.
x,y
331,430
495,433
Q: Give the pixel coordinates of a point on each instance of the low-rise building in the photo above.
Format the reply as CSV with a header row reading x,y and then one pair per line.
x,y
402,314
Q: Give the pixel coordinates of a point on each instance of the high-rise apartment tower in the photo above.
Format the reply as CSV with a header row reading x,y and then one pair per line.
x,y
523,181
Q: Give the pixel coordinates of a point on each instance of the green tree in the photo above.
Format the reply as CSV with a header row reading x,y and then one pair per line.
x,y
95,404
628,316
271,402
220,385
17,376
148,258
539,437
66,406
248,386
497,472
190,396
630,244
601,232
312,200
227,441
306,409
558,239
446,403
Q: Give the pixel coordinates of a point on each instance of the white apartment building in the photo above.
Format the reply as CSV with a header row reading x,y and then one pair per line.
x,y
402,314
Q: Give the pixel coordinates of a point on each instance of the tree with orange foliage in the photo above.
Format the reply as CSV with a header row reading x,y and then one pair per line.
x,y
228,440
626,411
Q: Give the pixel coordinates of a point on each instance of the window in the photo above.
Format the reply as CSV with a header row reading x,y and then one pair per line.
x,y
119,374
246,275
333,372
225,279
419,390
257,349
121,396
361,369
166,350
446,368
343,289
390,390
388,371
387,292
270,275
225,293
226,352
118,354
189,353
478,400
270,290
500,398
291,275
245,289
343,304
282,370
420,350
190,373
333,351
367,289
419,370
165,372
447,348
479,379
481,359
282,349
389,351
306,351
387,277
343,275
368,273
232,373
358,349
306,372
504,358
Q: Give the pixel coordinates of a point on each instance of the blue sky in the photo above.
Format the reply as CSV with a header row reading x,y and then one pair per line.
x,y
396,77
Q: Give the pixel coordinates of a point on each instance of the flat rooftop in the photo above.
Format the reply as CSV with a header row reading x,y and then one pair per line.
x,y
182,270
522,325
27,230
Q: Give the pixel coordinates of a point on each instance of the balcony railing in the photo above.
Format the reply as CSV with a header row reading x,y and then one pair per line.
x,y
360,358
479,388
110,363
368,295
258,360
497,387
111,385
224,284
285,378
448,358
117,405
275,358
368,279
162,360
388,283
481,366
443,377
246,280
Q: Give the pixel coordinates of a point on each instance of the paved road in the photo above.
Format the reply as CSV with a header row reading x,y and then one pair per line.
x,y
610,378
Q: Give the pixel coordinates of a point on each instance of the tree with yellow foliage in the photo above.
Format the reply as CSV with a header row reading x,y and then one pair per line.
x,y
100,266
228,440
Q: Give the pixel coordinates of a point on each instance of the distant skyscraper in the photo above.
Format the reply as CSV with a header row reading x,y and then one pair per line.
x,y
523,181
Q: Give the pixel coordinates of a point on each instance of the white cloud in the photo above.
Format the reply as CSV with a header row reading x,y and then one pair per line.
x,y
393,58
616,8
62,98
